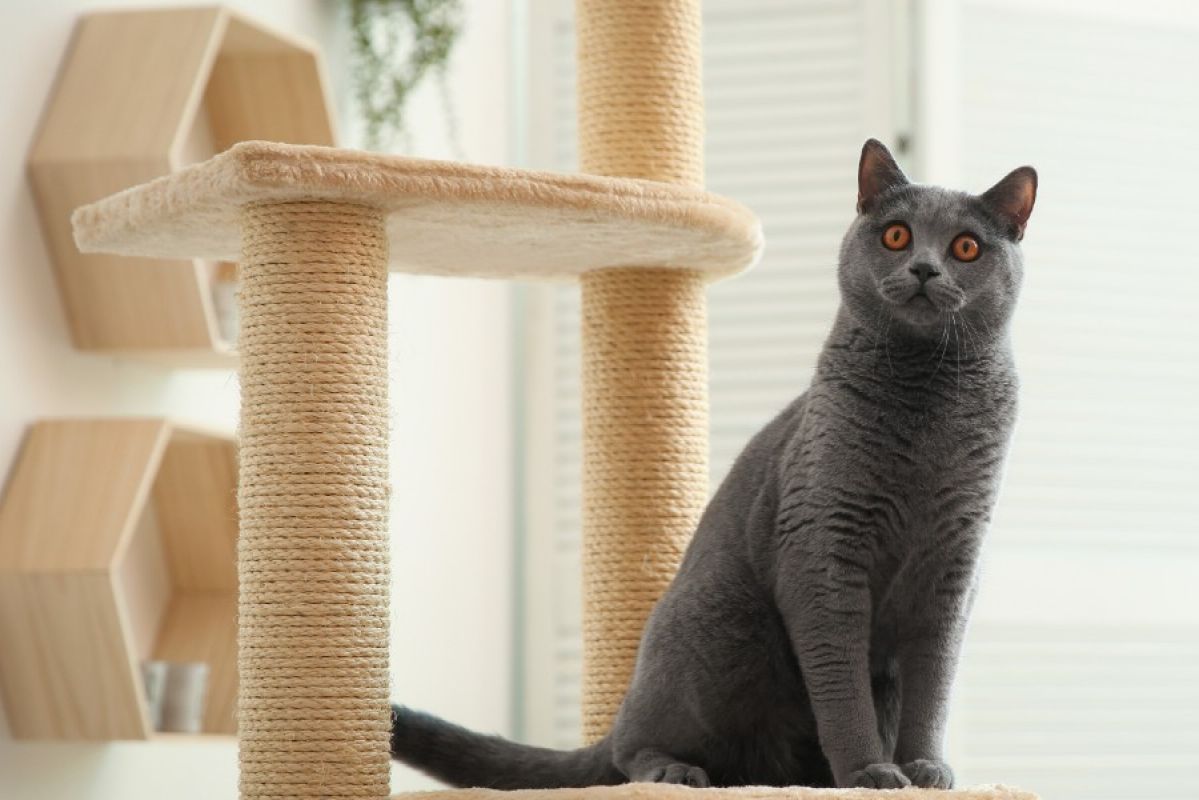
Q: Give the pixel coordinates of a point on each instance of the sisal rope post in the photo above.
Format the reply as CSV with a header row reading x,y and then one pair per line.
x,y
313,712
645,394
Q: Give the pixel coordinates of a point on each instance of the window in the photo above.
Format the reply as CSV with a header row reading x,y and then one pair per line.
x,y
1079,678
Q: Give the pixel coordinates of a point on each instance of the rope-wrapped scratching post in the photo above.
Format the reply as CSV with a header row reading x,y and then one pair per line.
x,y
645,402
313,714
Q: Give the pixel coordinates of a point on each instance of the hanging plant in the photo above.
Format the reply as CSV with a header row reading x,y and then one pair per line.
x,y
396,45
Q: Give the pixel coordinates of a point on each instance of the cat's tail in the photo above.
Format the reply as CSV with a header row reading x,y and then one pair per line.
x,y
463,758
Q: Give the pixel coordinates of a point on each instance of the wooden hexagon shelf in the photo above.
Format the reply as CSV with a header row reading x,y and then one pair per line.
x,y
117,544
141,94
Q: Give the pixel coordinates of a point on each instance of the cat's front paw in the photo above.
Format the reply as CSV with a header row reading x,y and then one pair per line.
x,y
879,776
929,774
681,774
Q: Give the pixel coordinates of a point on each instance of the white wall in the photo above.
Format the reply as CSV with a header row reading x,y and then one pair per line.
x,y
451,463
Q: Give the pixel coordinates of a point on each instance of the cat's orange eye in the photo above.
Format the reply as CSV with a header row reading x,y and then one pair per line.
x,y
897,236
965,247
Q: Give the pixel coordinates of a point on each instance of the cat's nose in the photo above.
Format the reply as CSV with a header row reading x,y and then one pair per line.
x,y
923,270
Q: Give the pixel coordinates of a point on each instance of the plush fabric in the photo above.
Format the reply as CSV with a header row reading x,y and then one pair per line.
x,y
653,791
443,218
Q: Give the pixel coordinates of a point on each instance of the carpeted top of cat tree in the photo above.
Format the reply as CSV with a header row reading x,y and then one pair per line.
x,y
657,791
443,218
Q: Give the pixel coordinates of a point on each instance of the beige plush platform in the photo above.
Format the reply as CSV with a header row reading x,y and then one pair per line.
x,y
654,791
443,218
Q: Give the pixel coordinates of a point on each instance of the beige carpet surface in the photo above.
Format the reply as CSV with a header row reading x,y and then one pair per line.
x,y
653,791
443,218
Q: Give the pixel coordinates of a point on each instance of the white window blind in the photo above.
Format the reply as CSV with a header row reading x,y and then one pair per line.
x,y
1078,678
1081,676
1079,712
1108,111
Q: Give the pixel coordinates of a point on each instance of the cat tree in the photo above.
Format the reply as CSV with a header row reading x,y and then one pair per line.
x,y
315,230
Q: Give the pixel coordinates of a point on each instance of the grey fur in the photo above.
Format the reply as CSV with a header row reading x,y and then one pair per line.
x,y
813,629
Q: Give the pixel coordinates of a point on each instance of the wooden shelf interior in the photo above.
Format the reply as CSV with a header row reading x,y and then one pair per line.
x,y
117,545
141,94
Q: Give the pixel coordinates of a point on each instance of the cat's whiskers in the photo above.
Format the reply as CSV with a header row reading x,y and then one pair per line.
x,y
943,315
957,351
944,349
968,329
985,324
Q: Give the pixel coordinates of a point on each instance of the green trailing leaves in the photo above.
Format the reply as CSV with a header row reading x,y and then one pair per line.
x,y
396,45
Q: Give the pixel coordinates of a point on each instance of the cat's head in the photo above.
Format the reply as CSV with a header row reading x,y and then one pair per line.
x,y
916,255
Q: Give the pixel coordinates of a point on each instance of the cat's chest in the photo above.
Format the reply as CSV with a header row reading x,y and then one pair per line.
x,y
905,434
919,456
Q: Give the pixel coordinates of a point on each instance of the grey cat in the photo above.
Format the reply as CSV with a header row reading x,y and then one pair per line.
x,y
812,632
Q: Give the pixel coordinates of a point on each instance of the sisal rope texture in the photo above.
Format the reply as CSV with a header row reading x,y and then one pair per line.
x,y
313,714
645,404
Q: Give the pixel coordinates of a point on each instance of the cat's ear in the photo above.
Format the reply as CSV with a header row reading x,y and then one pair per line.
x,y
1013,198
877,172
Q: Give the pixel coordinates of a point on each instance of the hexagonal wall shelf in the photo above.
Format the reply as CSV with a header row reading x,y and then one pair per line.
x,y
141,94
117,544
